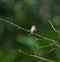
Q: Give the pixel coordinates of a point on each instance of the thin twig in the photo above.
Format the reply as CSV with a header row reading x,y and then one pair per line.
x,y
55,31
52,50
57,45
38,57
15,25
54,27
45,46
54,41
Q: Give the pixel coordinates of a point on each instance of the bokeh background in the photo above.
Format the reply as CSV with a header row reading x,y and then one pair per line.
x,y
26,13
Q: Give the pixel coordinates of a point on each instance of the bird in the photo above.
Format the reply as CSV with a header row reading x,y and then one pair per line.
x,y
33,29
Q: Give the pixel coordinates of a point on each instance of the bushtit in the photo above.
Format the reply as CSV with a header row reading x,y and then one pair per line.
x,y
33,29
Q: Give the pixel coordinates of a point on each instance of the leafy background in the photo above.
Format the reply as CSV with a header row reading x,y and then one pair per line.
x,y
26,13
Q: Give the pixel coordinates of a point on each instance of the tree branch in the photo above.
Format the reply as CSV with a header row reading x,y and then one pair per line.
x,y
38,57
54,41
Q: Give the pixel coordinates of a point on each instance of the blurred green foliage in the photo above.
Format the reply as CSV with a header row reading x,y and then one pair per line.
x,y
26,13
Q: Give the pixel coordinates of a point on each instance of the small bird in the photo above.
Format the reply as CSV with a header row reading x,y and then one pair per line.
x,y
33,29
